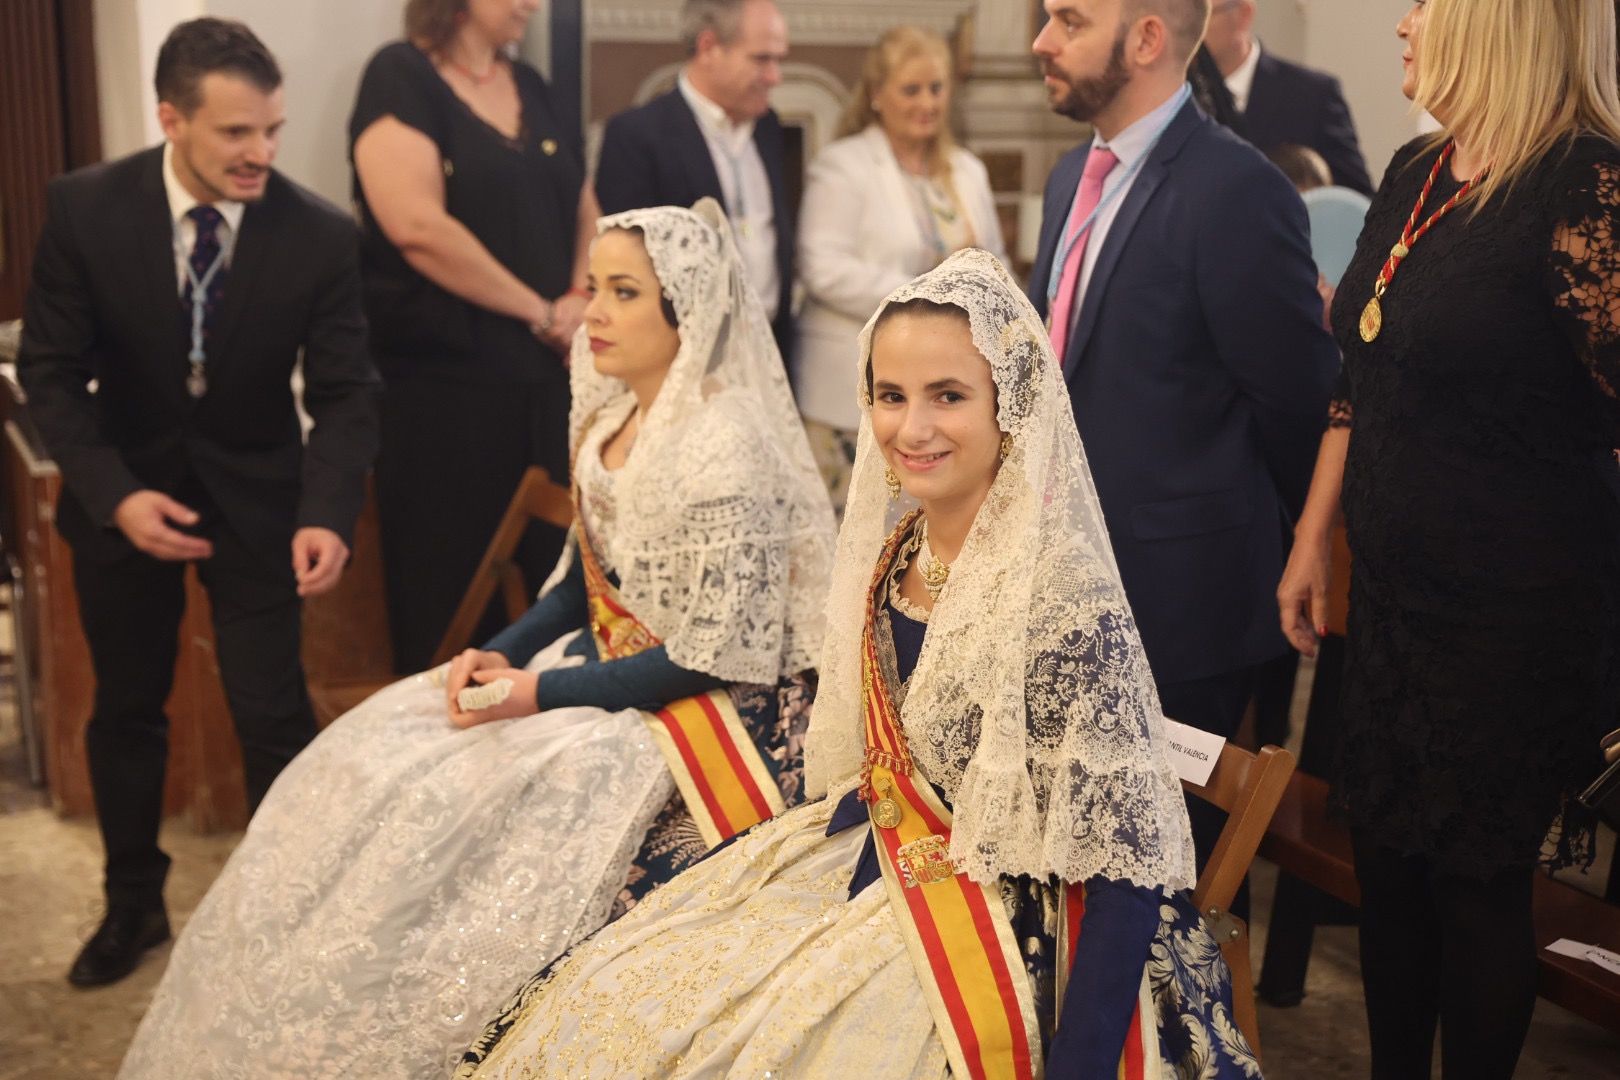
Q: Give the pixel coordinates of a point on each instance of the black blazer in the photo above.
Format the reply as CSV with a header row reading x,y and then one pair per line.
x,y
656,155
104,304
1293,104
1199,373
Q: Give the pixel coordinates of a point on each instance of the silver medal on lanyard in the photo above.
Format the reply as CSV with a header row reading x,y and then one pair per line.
x,y
197,381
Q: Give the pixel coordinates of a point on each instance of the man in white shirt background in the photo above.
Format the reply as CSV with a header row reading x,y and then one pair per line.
x,y
1283,103
715,135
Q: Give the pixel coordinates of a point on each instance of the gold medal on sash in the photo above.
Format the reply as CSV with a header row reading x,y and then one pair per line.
x,y
885,812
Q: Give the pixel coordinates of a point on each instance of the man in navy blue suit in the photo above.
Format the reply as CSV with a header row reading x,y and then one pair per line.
x,y
1191,342
716,135
1281,103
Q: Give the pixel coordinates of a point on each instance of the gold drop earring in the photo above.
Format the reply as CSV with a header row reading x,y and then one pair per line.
x,y
892,481
1006,445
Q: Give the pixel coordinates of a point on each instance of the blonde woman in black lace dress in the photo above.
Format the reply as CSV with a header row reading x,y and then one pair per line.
x,y
1471,441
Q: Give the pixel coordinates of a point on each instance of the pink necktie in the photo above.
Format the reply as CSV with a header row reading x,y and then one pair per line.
x,y
1086,197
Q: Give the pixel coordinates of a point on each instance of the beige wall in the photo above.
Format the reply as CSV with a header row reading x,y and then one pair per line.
x,y
1354,40
321,45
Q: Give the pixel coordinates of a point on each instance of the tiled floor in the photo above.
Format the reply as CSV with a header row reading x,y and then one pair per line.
x,y
49,901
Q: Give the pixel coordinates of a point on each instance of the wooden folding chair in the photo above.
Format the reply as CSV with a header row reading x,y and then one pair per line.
x,y
1248,787
536,498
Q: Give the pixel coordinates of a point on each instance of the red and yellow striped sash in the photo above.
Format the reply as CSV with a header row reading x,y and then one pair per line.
x,y
717,767
957,931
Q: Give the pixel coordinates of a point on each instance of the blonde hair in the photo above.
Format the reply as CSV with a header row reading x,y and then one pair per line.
x,y
897,47
1516,78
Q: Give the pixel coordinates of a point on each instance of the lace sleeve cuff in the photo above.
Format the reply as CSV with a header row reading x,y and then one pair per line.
x,y
1584,270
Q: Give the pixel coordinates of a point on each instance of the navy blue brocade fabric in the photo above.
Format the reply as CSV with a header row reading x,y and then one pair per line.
x,y
1125,929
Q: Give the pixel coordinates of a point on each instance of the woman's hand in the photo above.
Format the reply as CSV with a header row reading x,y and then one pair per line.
x,y
520,702
466,662
1611,746
567,313
1302,594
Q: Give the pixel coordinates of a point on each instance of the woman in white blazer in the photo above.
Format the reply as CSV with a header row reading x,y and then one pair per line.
x,y
886,202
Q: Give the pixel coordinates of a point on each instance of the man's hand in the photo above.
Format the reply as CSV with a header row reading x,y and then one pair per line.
x,y
318,558
144,518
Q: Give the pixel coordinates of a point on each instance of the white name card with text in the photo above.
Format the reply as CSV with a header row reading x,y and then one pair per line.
x,y
1193,752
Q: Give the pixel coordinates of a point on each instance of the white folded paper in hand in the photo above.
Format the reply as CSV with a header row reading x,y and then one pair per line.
x,y
474,697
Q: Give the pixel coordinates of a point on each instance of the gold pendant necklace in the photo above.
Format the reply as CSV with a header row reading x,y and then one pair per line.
x,y
934,573
1372,316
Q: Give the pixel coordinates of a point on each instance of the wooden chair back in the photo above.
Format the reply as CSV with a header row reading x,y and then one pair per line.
x,y
1248,787
537,498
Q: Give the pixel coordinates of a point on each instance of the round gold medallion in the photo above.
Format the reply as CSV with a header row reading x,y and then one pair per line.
x,y
548,146
1372,320
886,813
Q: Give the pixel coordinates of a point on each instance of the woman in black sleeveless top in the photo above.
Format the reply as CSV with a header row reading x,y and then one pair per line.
x,y
1473,437
475,218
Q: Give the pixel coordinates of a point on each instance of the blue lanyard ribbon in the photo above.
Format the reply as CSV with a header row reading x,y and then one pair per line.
x,y
199,294
1067,238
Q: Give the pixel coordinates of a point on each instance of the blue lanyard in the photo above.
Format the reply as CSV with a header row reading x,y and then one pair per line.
x,y
1067,238
199,295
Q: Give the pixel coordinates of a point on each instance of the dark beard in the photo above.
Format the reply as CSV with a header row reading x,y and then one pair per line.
x,y
1088,97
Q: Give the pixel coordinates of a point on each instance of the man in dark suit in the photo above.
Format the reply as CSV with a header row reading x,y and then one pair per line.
x,y
1189,328
716,135
184,280
1281,103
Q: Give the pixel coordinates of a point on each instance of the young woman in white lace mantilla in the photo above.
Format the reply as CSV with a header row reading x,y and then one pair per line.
x,y
983,680
419,859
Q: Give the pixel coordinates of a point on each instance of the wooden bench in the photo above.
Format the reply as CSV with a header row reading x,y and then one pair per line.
x,y
1302,841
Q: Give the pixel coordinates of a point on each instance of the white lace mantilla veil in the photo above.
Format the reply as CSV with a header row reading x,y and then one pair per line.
x,y
723,536
1031,705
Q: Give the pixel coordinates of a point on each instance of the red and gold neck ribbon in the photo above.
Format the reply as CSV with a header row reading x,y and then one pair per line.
x,y
1372,316
716,764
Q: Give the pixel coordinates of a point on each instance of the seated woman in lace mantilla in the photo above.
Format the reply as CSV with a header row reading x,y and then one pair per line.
x,y
996,884
410,867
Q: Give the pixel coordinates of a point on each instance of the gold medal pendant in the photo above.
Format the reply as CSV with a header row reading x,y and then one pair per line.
x,y
1372,320
885,812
